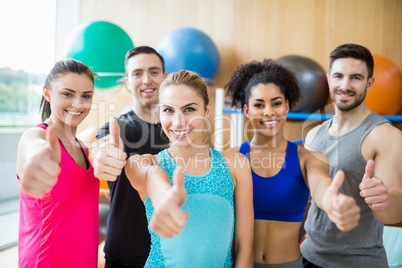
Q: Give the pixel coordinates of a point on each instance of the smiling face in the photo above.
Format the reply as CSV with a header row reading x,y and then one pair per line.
x,y
183,114
348,83
267,109
144,76
70,98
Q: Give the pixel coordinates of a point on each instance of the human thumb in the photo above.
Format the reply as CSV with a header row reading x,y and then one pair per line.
x,y
115,139
369,172
178,183
337,182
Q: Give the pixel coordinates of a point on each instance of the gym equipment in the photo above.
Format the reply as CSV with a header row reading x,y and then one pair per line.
x,y
190,49
312,81
236,121
102,46
385,96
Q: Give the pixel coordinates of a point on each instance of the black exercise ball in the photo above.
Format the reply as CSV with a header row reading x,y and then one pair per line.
x,y
312,81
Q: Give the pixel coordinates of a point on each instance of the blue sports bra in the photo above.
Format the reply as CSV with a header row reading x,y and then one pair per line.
x,y
284,196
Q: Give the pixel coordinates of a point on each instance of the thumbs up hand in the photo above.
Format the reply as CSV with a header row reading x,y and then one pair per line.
x,y
110,158
169,219
373,190
341,209
42,168
115,140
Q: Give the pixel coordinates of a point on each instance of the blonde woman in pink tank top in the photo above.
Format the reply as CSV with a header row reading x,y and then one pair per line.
x,y
59,193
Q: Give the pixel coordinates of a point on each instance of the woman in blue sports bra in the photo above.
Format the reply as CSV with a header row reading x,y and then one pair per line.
x,y
209,208
283,172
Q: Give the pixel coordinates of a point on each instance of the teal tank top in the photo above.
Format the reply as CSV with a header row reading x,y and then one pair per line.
x,y
206,240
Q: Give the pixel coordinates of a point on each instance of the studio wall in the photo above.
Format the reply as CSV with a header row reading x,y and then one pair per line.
x,y
254,30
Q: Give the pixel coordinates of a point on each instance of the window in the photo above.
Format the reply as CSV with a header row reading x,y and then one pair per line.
x,y
27,54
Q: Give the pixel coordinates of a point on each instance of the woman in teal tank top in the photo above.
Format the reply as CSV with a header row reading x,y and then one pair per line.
x,y
282,171
198,200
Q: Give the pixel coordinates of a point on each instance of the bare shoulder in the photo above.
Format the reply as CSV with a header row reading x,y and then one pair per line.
x,y
385,132
235,161
238,164
302,152
234,149
306,154
232,156
384,137
32,135
311,135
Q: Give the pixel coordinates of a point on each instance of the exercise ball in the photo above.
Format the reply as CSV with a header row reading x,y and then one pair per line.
x,y
102,46
190,49
103,188
385,96
312,81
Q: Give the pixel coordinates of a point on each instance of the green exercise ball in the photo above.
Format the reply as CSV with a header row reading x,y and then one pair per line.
x,y
102,46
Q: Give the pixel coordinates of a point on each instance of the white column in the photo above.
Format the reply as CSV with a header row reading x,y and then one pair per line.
x,y
236,128
218,134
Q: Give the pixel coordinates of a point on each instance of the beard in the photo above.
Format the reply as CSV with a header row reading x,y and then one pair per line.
x,y
344,106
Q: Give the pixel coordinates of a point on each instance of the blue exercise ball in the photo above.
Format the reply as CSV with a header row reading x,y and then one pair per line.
x,y
312,81
102,46
190,49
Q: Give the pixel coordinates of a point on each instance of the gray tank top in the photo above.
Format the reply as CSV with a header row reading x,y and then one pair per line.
x,y
325,244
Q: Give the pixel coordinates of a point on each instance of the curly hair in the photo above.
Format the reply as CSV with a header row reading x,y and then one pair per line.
x,y
249,75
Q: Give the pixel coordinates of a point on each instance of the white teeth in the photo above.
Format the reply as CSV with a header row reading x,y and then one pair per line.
x,y
148,90
269,122
74,113
180,132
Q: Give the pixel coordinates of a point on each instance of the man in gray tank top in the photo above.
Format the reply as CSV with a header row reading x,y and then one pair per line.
x,y
351,140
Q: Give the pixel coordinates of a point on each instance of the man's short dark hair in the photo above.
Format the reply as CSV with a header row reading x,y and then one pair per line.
x,y
143,50
354,51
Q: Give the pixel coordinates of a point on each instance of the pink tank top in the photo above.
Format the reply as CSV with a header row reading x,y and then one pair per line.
x,y
61,229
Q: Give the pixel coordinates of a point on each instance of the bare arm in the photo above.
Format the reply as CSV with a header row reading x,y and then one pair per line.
x,y
146,176
382,184
38,161
341,209
310,137
244,212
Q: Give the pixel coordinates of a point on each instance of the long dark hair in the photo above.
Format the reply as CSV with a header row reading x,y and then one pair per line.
x,y
61,67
